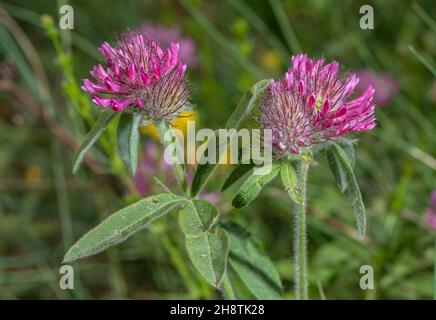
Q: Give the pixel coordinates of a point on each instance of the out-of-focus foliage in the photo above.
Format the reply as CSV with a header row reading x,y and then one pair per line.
x,y
43,115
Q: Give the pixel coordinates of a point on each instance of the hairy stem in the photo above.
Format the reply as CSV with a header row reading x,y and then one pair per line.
x,y
300,241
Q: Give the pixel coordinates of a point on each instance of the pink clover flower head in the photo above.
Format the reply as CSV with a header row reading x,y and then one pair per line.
x,y
140,76
312,104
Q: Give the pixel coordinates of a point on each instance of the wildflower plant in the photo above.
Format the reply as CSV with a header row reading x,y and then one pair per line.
x,y
309,111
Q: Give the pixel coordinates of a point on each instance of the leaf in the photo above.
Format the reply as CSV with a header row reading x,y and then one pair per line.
x,y
207,247
336,167
252,187
209,252
128,139
242,111
246,105
349,150
337,170
319,148
202,174
197,216
239,171
290,182
353,189
254,268
92,136
122,224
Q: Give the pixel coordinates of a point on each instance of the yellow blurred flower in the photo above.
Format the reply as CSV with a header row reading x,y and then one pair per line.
x,y
271,60
179,123
150,130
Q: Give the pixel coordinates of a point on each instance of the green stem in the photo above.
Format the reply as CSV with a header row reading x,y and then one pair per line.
x,y
300,241
227,289
179,171
116,276
179,264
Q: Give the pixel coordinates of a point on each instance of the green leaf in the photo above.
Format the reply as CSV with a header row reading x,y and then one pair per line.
x,y
246,105
197,216
202,174
290,181
128,139
207,246
92,136
353,189
242,111
122,224
238,172
254,268
349,150
338,172
336,167
252,187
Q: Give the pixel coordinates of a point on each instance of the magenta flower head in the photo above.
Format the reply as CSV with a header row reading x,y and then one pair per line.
x,y
138,74
312,104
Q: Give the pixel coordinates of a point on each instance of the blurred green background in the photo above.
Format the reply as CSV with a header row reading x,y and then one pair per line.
x,y
233,43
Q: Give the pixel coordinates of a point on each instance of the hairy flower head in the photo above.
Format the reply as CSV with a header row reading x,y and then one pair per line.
x,y
312,104
139,74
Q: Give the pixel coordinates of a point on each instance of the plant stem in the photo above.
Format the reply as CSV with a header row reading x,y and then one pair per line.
x,y
179,171
178,262
226,289
300,241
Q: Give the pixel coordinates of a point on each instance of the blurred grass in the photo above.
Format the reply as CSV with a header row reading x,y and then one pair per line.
x,y
43,208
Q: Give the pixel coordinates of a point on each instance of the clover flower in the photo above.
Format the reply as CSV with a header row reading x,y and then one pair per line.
x,y
138,74
312,104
